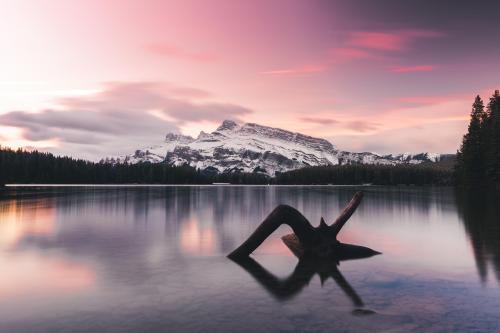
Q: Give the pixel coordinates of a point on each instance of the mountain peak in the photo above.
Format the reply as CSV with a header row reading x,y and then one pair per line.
x,y
173,137
256,148
227,125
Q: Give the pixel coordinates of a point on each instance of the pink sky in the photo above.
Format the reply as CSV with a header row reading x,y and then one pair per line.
x,y
93,78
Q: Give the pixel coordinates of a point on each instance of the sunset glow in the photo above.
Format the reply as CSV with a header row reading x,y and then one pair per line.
x,y
196,239
92,78
53,274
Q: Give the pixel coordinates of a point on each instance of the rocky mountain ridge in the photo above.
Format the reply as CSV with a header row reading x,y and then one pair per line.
x,y
255,148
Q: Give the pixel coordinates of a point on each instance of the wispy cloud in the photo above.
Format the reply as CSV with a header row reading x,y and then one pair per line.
x,y
389,40
422,100
362,126
412,69
363,45
319,120
378,40
301,70
380,46
176,102
351,53
122,117
396,113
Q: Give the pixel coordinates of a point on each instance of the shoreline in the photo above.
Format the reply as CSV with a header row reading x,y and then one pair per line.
x,y
20,186
182,185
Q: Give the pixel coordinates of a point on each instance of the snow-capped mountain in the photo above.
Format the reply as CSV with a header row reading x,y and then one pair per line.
x,y
256,148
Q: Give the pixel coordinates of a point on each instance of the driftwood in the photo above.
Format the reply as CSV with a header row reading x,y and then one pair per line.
x,y
306,241
318,250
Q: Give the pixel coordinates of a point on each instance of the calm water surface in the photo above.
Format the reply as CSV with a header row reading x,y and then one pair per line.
x,y
153,260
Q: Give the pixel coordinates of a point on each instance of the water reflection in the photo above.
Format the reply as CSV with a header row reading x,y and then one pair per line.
x,y
156,258
306,268
176,222
480,213
21,220
196,239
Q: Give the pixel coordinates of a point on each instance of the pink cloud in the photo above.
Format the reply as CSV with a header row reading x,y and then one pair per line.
x,y
378,40
319,120
351,53
306,69
423,100
464,98
172,51
412,69
389,40
362,126
365,45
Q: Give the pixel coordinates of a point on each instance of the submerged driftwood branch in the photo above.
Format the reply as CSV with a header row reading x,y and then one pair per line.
x,y
320,241
283,214
346,213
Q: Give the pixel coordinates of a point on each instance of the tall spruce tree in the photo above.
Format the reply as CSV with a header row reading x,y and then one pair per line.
x,y
471,156
492,138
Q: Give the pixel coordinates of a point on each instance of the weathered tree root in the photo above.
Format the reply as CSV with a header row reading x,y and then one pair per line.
x,y
318,241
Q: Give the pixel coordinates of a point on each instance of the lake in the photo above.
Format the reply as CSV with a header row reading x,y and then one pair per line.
x,y
152,259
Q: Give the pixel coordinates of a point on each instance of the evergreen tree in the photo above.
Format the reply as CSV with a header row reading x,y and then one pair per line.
x,y
492,135
470,166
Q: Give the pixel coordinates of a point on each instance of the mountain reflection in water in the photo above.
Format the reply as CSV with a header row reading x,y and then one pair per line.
x,y
146,259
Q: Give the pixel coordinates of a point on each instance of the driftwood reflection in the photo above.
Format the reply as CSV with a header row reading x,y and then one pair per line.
x,y
286,288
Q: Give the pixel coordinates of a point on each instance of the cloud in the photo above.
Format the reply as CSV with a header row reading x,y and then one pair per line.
x,y
378,40
362,126
120,118
189,92
389,40
380,46
443,137
90,134
362,45
172,51
396,115
84,126
301,70
412,69
181,104
184,111
350,53
422,100
342,55
319,120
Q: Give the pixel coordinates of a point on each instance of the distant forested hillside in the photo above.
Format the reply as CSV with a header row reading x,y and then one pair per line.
x,y
19,166
36,167
374,174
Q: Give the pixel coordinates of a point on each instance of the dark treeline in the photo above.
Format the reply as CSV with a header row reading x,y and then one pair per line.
x,y
44,168
36,167
24,167
478,160
374,174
